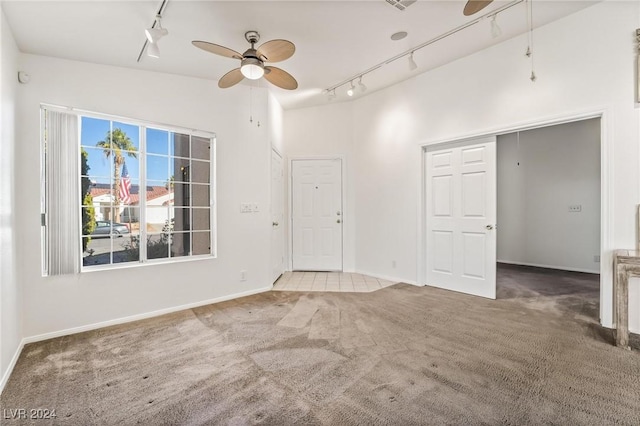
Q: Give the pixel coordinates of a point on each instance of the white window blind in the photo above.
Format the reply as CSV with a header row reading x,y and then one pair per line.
x,y
61,154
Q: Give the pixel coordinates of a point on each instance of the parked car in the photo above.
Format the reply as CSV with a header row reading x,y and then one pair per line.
x,y
104,228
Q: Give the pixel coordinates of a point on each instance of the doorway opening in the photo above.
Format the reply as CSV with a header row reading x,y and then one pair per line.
x,y
549,215
451,206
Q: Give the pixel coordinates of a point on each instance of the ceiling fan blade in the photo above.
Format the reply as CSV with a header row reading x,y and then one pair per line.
x,y
276,50
280,78
231,78
475,6
217,49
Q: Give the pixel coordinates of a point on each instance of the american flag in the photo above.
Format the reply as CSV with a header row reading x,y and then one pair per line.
x,y
125,185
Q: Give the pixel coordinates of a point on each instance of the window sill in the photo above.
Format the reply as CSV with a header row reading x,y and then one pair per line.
x,y
129,265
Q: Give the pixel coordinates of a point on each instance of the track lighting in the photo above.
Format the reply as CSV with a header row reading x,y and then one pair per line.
x,y
331,94
496,31
153,51
157,32
412,63
351,90
361,86
154,34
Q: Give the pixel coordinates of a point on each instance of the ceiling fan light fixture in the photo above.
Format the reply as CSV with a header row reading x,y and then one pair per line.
x,y
412,63
153,51
252,68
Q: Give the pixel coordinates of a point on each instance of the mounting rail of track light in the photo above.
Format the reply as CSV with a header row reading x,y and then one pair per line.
x,y
330,91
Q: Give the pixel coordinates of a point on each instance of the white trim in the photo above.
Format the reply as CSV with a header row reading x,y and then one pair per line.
x,y
284,263
152,314
129,120
388,278
559,268
11,366
161,261
343,186
605,113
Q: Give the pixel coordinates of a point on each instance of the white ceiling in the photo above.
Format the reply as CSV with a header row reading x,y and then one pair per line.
x,y
334,40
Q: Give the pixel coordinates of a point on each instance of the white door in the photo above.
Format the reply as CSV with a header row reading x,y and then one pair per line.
x,y
277,216
461,217
317,215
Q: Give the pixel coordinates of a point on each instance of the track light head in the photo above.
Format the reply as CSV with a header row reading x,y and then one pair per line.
x,y
412,63
361,86
352,90
153,51
496,31
156,33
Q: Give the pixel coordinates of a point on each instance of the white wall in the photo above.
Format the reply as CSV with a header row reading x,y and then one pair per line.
x,y
275,122
584,62
558,166
52,304
10,292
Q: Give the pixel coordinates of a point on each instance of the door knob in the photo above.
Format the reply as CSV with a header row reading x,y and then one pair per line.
x,y
275,223
338,221
338,213
489,227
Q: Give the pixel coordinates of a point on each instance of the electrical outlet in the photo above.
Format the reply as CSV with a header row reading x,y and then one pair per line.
x,y
596,258
245,208
575,208
243,275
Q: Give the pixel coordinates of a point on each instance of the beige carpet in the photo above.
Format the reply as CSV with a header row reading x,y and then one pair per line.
x,y
402,355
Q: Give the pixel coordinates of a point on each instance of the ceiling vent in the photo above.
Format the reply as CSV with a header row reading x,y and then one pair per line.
x,y
401,4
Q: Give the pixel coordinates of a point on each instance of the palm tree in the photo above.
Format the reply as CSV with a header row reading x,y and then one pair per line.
x,y
116,143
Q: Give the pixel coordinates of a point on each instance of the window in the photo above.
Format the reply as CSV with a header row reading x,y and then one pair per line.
x,y
146,192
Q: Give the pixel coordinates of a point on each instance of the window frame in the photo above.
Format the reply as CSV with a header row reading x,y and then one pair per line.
x,y
142,183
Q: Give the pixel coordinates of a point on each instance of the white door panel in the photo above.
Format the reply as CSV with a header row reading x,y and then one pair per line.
x,y
277,216
317,215
461,217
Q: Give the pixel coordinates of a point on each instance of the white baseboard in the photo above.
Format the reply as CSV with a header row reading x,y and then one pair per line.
x,y
387,277
561,268
138,317
12,364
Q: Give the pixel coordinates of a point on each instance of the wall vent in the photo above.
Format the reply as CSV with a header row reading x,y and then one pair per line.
x,y
401,4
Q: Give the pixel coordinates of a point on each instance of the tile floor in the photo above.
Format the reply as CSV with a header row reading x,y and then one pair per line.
x,y
329,281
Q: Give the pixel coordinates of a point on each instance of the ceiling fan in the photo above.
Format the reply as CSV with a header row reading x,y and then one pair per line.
x,y
252,61
475,6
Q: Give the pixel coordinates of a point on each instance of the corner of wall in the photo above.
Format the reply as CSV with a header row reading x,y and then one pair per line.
x,y
10,290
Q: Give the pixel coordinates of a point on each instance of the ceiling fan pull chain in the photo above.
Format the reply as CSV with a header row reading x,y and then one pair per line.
x,y
250,104
529,54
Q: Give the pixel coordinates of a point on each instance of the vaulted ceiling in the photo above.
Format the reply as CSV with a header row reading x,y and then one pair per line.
x,y
335,40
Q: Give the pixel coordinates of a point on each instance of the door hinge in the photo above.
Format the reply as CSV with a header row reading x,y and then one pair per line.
x,y
43,219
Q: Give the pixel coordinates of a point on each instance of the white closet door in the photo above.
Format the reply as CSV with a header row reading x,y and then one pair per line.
x,y
461,217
